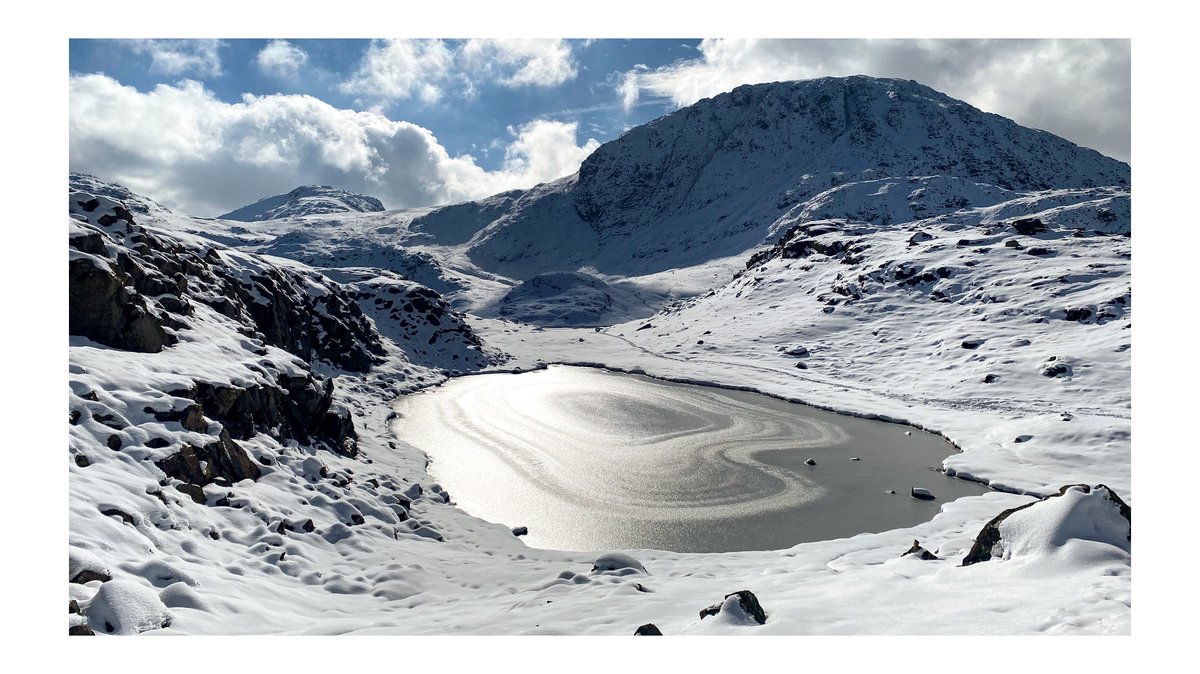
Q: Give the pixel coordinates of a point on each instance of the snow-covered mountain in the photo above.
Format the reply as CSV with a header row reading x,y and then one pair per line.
x,y
716,177
305,200
869,246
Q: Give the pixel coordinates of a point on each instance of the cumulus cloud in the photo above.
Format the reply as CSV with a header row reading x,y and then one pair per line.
x,y
426,69
520,63
1078,89
180,57
208,156
393,69
543,150
281,58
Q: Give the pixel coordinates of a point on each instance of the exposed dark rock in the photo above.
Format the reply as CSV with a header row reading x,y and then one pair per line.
x,y
810,462
520,531
102,310
920,552
746,601
82,461
191,417
922,494
1056,368
117,512
1023,438
194,491
81,630
1040,251
990,378
88,575
1013,243
973,343
223,458
299,408
73,607
1078,313
648,630
919,237
113,442
1028,226
158,443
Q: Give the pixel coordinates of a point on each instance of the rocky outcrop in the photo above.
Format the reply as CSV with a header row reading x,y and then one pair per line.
x,y
131,287
300,408
201,465
1028,226
648,630
101,310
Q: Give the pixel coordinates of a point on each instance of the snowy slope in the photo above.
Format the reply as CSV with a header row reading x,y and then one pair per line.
x,y
305,200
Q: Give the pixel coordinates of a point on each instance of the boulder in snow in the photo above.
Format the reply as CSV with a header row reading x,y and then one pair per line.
x,y
127,607
648,630
1075,512
85,567
739,607
920,552
1028,226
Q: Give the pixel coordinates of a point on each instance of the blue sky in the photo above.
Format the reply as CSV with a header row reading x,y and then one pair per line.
x,y
476,125
206,125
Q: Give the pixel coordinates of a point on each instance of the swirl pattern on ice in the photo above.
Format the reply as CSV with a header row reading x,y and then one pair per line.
x,y
565,449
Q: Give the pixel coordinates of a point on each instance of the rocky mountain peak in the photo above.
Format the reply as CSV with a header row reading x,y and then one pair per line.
x,y
306,200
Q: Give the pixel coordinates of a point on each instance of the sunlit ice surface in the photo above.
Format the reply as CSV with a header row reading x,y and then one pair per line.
x,y
589,459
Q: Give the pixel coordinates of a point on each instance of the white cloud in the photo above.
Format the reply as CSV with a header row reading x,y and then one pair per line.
x,y
1079,89
544,150
393,69
399,69
208,156
520,63
180,57
281,58
629,89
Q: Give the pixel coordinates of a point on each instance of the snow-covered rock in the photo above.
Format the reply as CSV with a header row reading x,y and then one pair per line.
x,y
305,200
1076,513
127,607
570,299
738,608
617,562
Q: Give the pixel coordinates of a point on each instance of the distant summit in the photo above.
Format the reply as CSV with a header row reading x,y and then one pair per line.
x,y
305,200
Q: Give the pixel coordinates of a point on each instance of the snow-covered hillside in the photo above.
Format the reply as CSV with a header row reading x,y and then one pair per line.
x,y
716,176
305,200
869,246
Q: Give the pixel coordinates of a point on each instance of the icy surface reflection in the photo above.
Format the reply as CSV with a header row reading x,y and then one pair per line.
x,y
589,459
